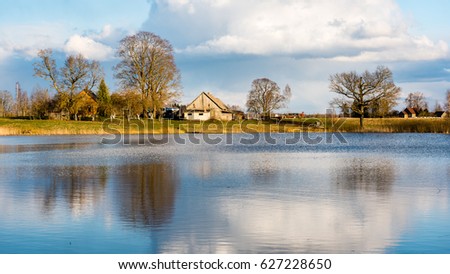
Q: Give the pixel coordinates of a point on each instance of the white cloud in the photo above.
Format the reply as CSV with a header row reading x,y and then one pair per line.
x,y
4,53
348,30
88,47
26,39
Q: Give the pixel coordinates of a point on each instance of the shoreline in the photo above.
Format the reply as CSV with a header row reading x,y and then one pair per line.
x,y
16,127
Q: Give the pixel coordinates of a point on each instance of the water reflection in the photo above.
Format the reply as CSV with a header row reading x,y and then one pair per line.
x,y
147,192
264,170
5,149
224,199
371,175
81,187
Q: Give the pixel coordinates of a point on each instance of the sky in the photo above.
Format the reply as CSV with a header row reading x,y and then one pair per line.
x,y
221,46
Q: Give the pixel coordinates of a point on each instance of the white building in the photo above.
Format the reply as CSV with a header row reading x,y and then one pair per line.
x,y
206,107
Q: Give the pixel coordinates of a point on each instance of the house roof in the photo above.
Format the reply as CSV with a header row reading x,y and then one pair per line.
x,y
201,102
90,94
410,111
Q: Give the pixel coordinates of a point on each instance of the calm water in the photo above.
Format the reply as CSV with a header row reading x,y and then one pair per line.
x,y
379,193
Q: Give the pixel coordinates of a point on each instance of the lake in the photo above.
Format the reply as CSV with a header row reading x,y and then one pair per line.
x,y
359,193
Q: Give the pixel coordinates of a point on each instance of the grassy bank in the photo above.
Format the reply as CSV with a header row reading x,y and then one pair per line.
x,y
389,125
395,125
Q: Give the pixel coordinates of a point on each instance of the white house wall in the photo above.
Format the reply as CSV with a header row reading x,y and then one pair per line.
x,y
198,116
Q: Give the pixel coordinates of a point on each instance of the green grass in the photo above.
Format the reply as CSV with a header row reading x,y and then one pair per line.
x,y
388,125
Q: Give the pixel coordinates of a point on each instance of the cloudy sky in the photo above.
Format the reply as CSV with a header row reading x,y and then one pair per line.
x,y
223,45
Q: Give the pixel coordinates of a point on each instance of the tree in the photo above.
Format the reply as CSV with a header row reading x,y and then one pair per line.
x,y
104,99
6,103
447,104
265,96
364,89
148,65
76,75
416,101
234,107
127,102
343,104
22,106
40,103
437,107
384,106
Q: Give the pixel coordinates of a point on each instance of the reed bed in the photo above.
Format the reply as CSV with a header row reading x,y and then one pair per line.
x,y
385,125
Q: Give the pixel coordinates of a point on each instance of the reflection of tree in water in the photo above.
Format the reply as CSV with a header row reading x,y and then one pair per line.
x,y
367,175
147,193
80,186
264,171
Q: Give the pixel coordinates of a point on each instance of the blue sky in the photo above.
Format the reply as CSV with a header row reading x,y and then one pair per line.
x,y
223,45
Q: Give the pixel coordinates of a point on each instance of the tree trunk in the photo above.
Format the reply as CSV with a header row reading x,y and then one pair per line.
x,y
361,118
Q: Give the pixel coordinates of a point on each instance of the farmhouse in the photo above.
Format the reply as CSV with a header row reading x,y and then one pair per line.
x,y
441,114
86,104
410,113
206,107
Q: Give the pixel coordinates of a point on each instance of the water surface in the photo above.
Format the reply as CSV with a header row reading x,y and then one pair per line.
x,y
377,193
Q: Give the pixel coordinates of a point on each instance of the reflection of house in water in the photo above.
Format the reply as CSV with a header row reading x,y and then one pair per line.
x,y
148,193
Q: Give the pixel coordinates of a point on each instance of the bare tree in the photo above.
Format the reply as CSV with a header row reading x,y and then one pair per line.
x,y
234,107
6,103
76,75
384,106
343,104
127,102
148,65
40,103
437,107
447,103
46,69
22,106
265,96
364,89
417,101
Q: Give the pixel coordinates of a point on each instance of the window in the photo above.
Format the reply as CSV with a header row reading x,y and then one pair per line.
x,y
201,114
189,114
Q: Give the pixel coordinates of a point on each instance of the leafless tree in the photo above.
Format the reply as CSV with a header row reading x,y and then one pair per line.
x,y
22,106
127,102
447,103
234,107
384,106
46,69
76,75
437,107
265,96
343,104
6,103
417,101
40,102
364,89
148,65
